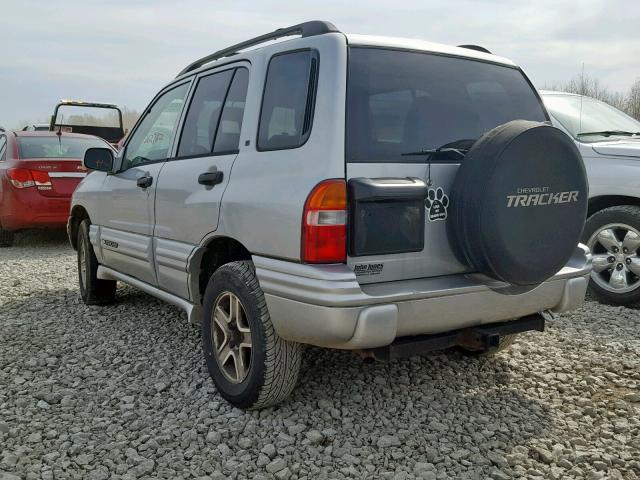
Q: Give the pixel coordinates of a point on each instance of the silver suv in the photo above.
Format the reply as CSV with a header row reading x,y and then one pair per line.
x,y
609,142
381,195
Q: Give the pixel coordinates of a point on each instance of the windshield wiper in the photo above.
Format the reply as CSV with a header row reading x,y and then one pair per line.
x,y
458,147
432,151
608,133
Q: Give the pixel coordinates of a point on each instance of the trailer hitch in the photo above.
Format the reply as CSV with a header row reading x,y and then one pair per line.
x,y
481,337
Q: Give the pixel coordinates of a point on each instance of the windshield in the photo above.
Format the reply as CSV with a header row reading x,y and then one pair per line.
x,y
400,102
597,117
54,147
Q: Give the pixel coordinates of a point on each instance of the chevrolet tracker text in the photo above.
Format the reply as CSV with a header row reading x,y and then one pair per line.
x,y
541,199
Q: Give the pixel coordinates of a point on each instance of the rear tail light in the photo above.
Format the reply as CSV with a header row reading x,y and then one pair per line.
x,y
43,182
20,177
24,178
324,223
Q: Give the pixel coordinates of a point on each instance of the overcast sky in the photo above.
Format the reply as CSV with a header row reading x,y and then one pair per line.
x,y
123,51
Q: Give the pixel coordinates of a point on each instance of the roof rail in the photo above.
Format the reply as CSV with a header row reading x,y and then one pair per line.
x,y
306,29
477,48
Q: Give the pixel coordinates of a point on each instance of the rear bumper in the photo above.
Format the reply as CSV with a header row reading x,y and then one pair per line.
x,y
29,209
326,306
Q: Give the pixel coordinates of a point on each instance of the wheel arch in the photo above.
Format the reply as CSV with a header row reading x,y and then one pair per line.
x,y
77,215
210,256
605,201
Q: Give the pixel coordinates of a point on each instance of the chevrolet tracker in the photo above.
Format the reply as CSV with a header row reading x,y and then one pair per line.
x,y
341,191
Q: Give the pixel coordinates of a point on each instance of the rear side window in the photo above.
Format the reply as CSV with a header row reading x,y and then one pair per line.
x,y
200,126
288,100
228,136
400,101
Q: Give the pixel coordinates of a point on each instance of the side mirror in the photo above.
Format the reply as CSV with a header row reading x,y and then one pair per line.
x,y
99,158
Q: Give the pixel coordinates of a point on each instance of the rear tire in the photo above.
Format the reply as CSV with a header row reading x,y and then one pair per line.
x,y
6,238
251,366
505,343
92,290
618,219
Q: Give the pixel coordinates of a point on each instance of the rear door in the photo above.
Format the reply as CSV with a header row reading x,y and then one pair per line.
x,y
125,210
399,103
191,184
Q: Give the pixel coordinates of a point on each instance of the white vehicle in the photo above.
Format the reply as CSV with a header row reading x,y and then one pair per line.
x,y
382,195
609,142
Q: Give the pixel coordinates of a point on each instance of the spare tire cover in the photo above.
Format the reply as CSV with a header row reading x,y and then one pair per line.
x,y
519,203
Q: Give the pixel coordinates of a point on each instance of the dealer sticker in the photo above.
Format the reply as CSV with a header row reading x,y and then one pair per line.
x,y
367,269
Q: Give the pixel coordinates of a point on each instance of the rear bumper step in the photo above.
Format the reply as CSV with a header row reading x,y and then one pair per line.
x,y
484,337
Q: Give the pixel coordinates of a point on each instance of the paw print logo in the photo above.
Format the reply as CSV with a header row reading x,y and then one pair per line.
x,y
437,203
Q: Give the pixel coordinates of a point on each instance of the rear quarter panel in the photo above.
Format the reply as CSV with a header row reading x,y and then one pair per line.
x,y
263,203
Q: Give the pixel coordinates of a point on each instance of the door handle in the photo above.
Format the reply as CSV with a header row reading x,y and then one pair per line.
x,y
144,181
210,178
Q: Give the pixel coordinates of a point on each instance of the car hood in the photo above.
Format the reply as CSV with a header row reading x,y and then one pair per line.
x,y
620,148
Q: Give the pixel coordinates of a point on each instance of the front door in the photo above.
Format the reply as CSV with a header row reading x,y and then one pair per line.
x,y
127,217
191,185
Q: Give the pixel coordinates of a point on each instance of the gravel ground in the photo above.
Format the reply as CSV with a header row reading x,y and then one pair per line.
x,y
122,392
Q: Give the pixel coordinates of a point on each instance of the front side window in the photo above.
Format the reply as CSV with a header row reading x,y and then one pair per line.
x,y
590,120
151,140
54,146
288,101
400,102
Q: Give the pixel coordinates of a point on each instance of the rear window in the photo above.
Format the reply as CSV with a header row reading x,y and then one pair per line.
x,y
399,101
56,147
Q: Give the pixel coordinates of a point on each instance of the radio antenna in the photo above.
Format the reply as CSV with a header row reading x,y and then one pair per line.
x,y
581,97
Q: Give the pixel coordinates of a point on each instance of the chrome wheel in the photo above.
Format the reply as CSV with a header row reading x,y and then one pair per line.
x,y
231,337
82,263
616,264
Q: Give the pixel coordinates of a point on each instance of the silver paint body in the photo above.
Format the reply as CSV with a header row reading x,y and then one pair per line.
x,y
612,165
162,231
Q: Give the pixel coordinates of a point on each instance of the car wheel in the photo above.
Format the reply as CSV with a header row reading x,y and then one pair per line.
x,y
505,342
6,238
93,290
613,236
251,366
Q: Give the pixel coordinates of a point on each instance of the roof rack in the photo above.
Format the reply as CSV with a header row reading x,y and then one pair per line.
x,y
306,29
477,48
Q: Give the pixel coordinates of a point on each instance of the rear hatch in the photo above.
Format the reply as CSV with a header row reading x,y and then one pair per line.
x,y
55,178
400,103
54,163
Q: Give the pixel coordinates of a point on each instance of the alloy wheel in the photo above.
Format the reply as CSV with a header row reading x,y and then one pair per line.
x,y
231,337
616,264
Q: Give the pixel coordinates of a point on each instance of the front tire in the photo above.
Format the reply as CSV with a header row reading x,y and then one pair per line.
x,y
6,238
613,236
92,290
251,366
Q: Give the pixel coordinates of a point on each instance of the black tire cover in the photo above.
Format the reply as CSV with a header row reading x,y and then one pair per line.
x,y
519,203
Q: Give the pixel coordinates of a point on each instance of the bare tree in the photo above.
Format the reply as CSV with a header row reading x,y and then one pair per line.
x,y
633,100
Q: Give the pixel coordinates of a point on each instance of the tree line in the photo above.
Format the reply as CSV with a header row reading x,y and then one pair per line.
x,y
628,102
